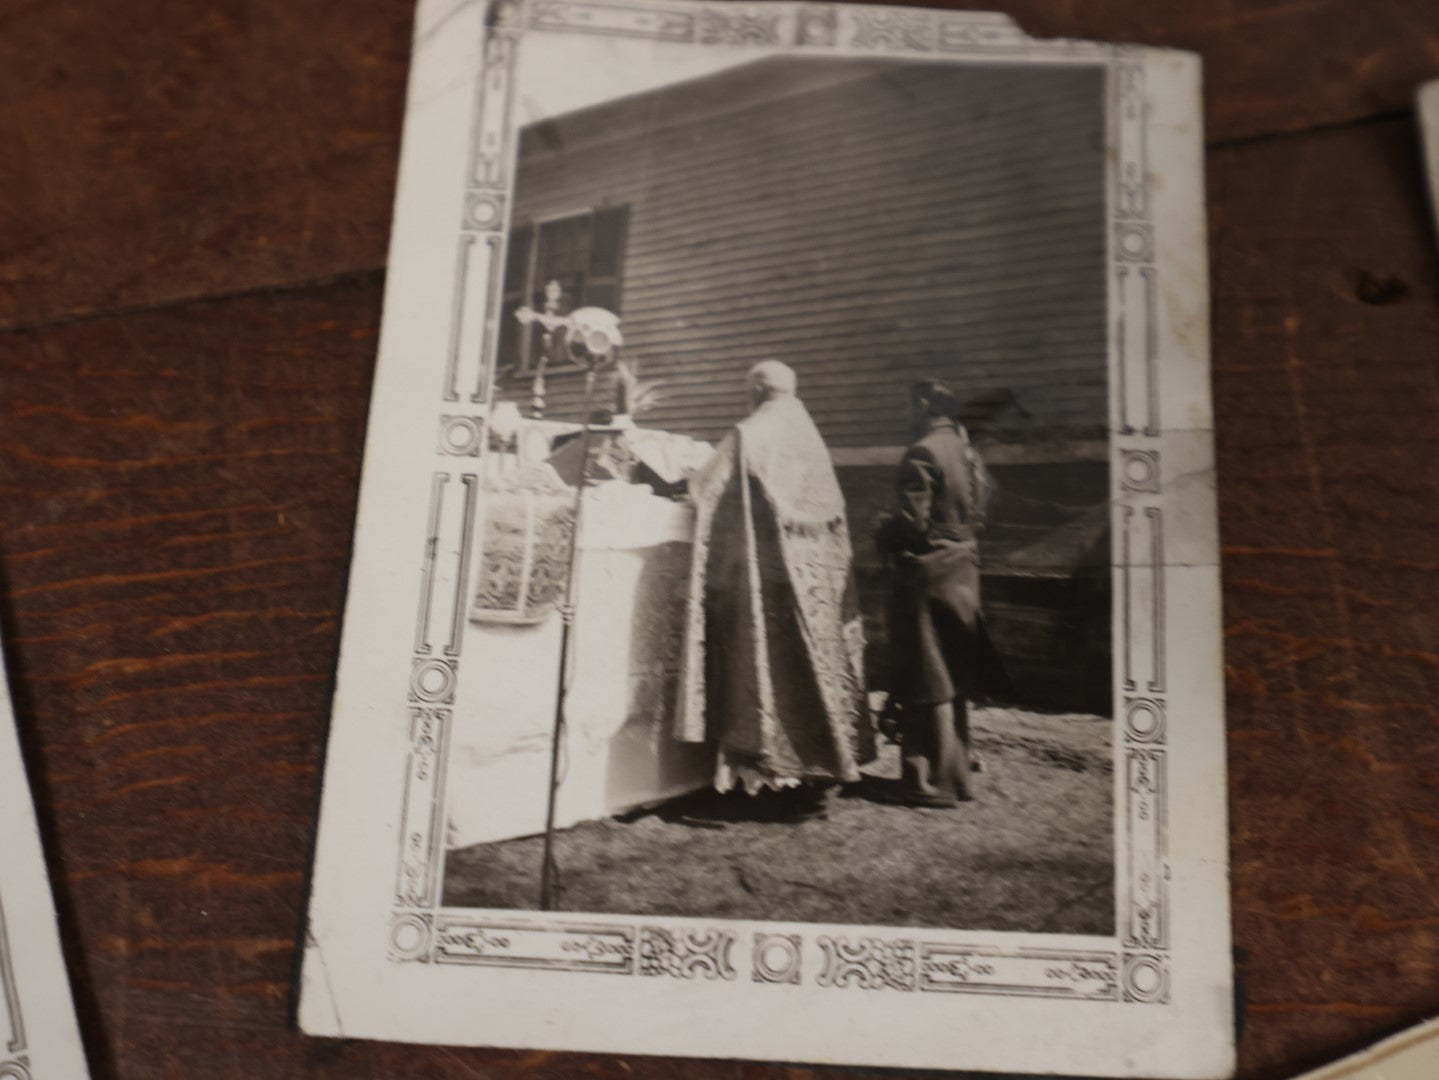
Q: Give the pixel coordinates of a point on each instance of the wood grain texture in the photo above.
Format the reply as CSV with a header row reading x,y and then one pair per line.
x,y
167,151
177,487
157,152
1326,407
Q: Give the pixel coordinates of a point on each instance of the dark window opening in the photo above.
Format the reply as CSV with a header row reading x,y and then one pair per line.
x,y
584,253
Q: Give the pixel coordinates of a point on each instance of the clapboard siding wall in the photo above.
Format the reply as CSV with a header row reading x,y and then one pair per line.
x,y
906,221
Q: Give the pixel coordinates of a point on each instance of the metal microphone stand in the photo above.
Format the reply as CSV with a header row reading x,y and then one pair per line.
x,y
549,872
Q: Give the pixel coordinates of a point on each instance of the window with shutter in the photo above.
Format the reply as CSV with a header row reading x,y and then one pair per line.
x,y
583,252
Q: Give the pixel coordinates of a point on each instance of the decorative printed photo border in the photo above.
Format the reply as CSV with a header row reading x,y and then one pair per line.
x,y
39,1039
13,1063
1132,966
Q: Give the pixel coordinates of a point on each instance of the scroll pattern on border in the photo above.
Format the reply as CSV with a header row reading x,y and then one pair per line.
x,y
685,953
870,963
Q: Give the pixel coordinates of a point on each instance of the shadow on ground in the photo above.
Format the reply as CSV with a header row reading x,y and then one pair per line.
x,y
1033,852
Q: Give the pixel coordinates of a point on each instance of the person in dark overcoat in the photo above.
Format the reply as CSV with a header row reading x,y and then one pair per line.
x,y
940,651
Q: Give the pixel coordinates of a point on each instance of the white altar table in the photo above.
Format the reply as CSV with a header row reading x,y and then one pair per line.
x,y
618,754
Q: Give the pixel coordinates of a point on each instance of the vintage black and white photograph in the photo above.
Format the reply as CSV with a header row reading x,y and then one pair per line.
x,y
785,570
815,352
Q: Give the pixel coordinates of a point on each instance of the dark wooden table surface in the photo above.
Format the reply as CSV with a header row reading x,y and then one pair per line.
x,y
194,204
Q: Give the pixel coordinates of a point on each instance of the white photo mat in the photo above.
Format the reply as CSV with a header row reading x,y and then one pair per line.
x,y
39,1039
384,959
1428,102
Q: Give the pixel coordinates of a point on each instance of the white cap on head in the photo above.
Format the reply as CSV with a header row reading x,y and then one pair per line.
x,y
773,379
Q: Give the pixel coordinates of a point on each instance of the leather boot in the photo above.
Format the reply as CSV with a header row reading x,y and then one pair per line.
x,y
928,758
958,768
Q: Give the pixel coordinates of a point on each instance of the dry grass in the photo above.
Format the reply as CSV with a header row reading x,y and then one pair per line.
x,y
1033,852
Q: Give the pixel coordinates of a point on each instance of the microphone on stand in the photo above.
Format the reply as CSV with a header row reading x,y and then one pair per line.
x,y
592,335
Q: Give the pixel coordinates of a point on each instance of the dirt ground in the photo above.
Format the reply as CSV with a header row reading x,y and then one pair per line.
x,y
1032,852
